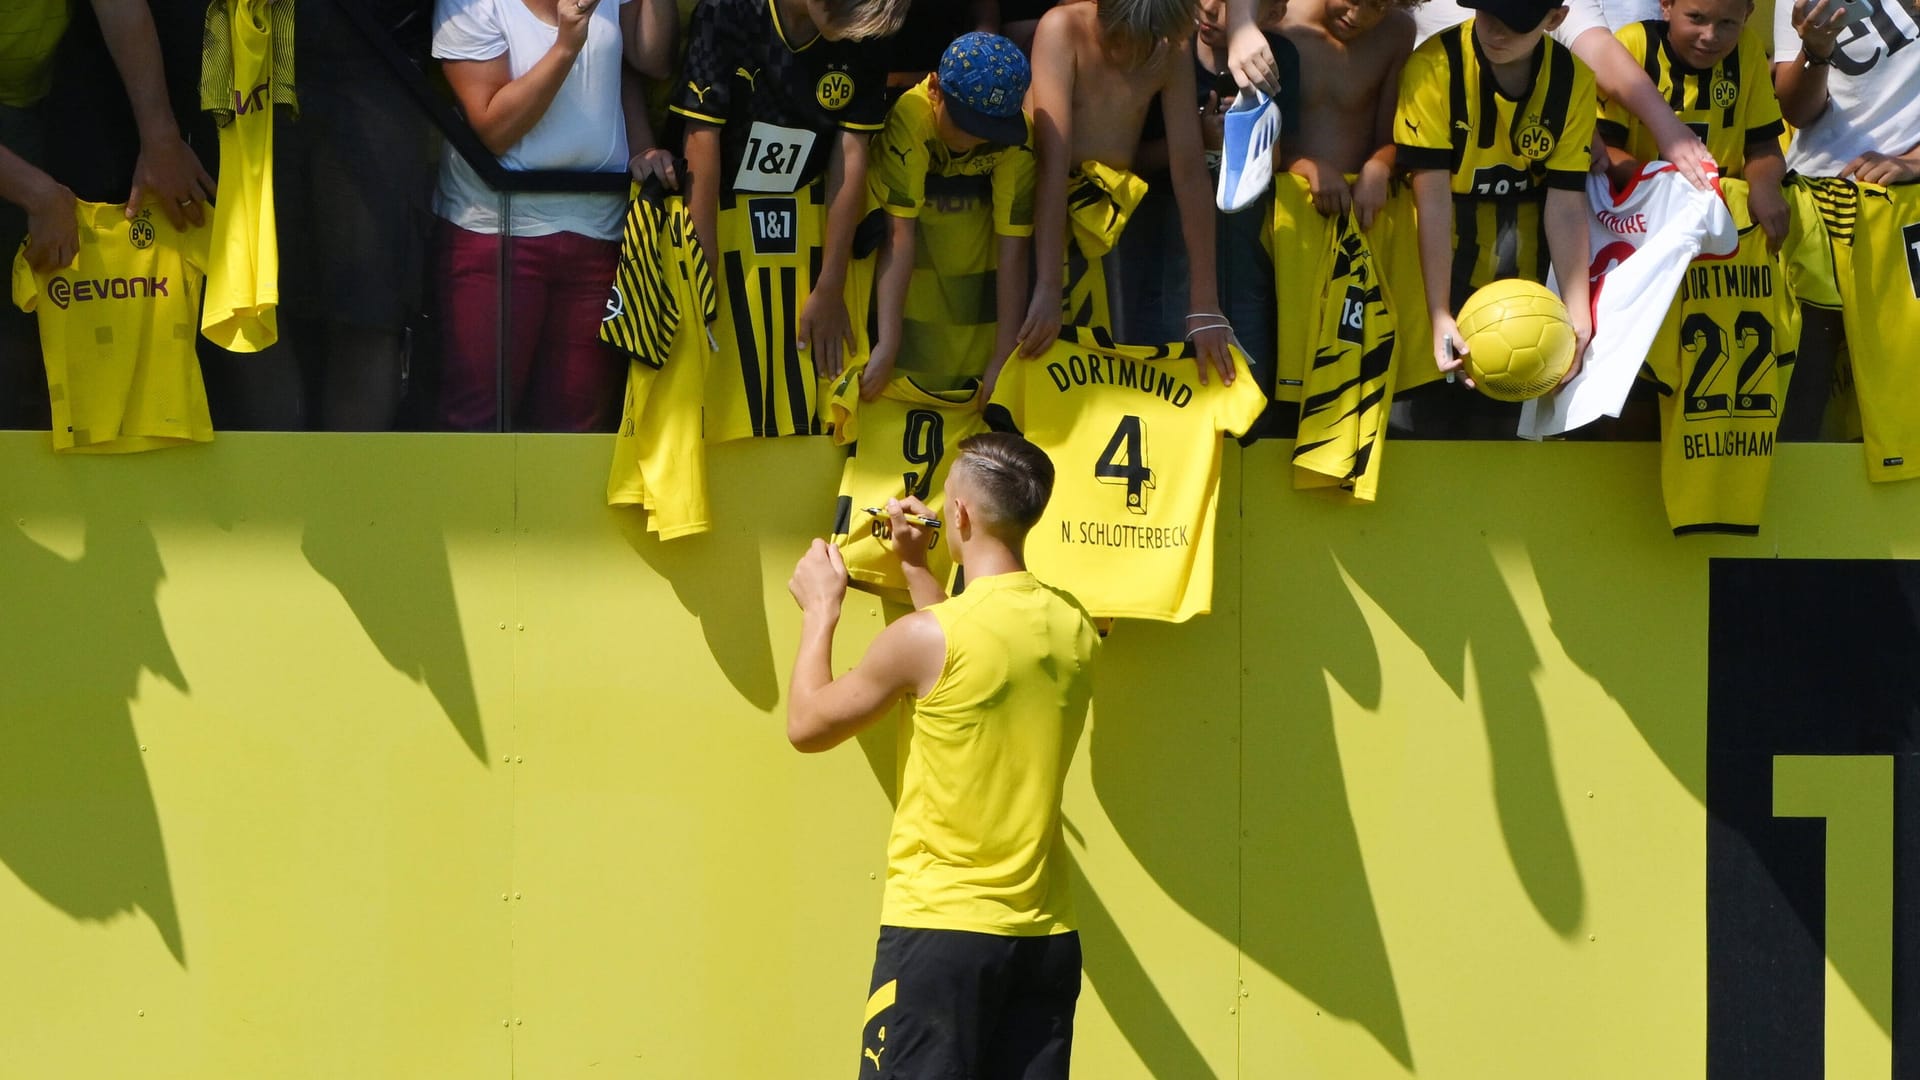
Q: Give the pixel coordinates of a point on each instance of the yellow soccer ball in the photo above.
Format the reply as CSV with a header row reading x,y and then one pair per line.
x,y
1519,341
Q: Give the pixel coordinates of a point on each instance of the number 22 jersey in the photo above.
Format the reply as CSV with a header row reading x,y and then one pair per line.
x,y
1135,442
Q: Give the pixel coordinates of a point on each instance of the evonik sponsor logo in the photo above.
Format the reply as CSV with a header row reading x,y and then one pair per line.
x,y
63,291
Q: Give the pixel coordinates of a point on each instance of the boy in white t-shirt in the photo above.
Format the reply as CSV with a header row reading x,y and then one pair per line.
x,y
1849,91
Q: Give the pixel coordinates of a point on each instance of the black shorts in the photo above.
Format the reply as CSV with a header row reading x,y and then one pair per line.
x,y
952,1005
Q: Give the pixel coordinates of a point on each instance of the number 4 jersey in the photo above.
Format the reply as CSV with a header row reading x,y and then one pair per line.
x,y
1135,442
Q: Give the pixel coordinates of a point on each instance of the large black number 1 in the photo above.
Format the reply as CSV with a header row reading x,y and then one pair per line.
x,y
923,444
1124,461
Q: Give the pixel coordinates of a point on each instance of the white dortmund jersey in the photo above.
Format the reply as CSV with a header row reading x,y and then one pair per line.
x,y
1642,239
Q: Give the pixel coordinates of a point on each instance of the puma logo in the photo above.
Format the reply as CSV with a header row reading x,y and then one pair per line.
x,y
899,152
875,1055
750,76
699,92
1413,126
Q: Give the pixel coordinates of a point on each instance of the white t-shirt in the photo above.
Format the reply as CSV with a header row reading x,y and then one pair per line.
x,y
1582,15
1873,84
584,127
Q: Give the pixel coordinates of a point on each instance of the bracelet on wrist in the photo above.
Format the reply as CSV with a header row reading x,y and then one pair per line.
x,y
1816,61
1206,315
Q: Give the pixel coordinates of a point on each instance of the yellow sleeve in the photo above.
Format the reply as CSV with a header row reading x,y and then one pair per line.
x,y
26,284
1613,118
1244,401
1760,116
1013,192
897,167
1008,406
1568,163
843,406
1422,119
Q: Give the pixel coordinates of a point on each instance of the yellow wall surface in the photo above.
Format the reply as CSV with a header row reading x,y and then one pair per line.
x,y
402,756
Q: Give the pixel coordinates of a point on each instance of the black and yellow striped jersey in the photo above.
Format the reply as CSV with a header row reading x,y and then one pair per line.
x,y
1348,387
1453,115
660,314
1729,106
660,261
778,103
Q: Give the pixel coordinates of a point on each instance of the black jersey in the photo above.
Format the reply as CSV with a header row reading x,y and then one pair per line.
x,y
776,101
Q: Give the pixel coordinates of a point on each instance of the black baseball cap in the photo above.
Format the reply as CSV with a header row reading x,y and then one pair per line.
x,y
1520,16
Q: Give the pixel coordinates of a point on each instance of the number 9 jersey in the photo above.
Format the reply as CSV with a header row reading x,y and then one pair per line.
x,y
900,443
1135,441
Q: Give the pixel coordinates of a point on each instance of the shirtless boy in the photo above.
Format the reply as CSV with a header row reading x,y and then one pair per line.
x,y
1096,66
1351,52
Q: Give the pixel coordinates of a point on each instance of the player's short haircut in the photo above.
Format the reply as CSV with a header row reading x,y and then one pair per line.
x,y
1135,28
1011,475
864,20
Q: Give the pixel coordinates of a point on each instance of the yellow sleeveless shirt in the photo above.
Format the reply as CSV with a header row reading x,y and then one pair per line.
x,y
976,837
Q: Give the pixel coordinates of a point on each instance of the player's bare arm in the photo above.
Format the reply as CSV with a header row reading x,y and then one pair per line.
x,y
1565,221
1622,79
911,542
502,109
822,711
825,329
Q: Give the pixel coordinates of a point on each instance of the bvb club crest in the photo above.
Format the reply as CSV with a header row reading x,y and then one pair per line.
x,y
1535,142
834,91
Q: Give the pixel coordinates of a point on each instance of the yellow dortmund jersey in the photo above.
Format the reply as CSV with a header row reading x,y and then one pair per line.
x,y
1729,106
900,443
1349,386
116,329
1875,237
1300,239
243,278
1135,442
976,842
762,383
1452,115
961,202
1721,362
1100,199
660,314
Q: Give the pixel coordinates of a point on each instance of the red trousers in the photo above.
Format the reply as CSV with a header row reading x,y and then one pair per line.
x,y
560,376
